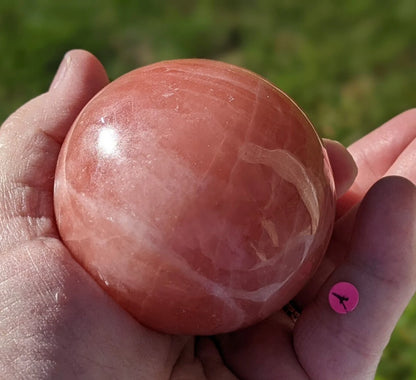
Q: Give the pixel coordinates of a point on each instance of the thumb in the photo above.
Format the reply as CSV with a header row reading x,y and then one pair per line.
x,y
382,266
30,141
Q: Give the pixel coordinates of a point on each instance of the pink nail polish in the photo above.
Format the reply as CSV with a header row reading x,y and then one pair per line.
x,y
343,297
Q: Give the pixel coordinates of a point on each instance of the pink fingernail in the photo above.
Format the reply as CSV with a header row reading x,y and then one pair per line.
x,y
62,70
343,297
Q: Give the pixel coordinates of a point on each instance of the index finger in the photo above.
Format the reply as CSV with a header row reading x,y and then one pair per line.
x,y
376,153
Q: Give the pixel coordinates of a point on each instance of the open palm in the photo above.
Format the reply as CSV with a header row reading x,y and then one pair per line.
x,y
56,322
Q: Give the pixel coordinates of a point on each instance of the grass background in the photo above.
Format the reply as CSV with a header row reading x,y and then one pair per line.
x,y
350,65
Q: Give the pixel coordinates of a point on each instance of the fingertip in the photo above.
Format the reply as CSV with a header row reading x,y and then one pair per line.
x,y
33,134
381,153
384,237
390,201
396,188
211,360
207,350
79,78
83,64
343,166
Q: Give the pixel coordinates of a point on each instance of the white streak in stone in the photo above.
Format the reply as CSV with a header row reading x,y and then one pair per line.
x,y
261,255
287,166
270,228
151,239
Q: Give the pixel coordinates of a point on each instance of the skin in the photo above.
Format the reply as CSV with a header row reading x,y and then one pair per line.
x,y
56,322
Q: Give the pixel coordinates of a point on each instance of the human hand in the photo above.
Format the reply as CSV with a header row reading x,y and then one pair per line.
x,y
56,322
373,247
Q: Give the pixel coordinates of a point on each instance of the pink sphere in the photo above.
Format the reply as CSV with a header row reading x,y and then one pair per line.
x,y
197,194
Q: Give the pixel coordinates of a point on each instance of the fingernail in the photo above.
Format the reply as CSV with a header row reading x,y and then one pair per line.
x,y
61,73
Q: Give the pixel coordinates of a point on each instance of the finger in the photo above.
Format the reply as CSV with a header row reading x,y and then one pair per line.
x,y
200,360
30,142
405,164
376,152
343,166
263,351
382,265
187,367
213,365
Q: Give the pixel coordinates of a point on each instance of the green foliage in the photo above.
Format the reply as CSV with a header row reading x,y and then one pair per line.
x,y
399,357
350,65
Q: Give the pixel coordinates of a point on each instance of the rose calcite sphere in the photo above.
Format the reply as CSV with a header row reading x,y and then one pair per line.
x,y
197,194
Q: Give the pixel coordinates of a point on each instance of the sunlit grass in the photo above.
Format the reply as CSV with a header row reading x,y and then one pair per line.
x,y
399,358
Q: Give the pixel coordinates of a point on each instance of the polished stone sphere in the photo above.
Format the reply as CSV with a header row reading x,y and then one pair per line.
x,y
197,194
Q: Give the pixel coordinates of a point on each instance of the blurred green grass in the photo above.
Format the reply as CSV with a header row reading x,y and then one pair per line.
x,y
349,65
